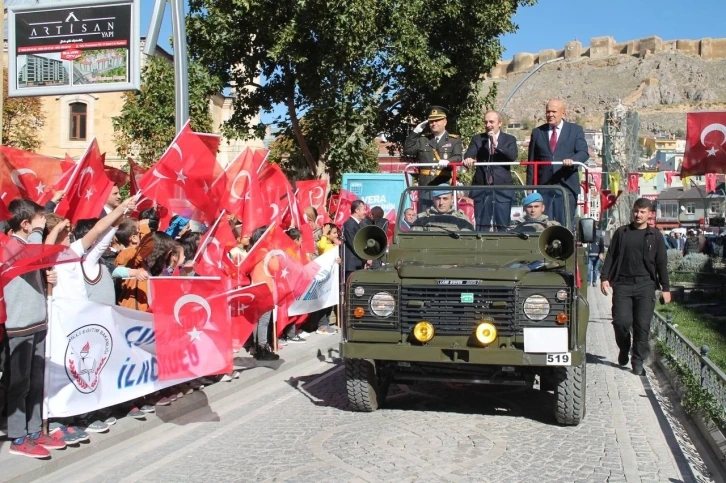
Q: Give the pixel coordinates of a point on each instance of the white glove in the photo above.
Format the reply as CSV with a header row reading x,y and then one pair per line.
x,y
443,163
419,129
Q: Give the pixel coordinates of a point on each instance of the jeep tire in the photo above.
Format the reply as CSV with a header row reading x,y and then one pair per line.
x,y
365,391
570,394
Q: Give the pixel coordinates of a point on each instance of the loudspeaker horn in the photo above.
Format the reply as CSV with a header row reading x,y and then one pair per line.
x,y
370,242
557,243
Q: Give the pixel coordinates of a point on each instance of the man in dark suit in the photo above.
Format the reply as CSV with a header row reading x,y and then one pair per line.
x,y
438,146
351,227
558,140
493,208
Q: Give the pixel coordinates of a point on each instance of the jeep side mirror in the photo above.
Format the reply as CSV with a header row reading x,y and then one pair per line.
x,y
587,230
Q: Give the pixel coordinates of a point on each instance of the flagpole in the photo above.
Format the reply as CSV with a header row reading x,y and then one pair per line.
x,y
46,356
209,233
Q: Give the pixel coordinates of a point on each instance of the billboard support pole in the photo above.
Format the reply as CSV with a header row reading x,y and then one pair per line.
x,y
181,73
152,36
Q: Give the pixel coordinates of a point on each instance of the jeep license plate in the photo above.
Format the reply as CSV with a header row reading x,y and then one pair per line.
x,y
559,359
467,298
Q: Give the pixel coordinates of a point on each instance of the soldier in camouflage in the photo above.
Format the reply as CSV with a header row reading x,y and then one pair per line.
x,y
441,213
534,218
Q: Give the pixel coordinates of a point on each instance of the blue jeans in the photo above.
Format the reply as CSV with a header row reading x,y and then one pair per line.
x,y
592,269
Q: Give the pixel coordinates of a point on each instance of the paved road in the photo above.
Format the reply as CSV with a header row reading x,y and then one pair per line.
x,y
296,427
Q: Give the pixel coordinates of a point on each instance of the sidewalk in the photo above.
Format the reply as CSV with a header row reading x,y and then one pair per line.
x,y
22,469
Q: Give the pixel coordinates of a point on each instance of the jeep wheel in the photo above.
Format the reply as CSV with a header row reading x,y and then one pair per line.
x,y
365,392
570,394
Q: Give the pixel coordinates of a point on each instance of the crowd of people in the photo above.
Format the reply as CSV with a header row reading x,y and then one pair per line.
x,y
117,255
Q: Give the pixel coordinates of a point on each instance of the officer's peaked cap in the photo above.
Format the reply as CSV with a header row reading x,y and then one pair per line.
x,y
436,113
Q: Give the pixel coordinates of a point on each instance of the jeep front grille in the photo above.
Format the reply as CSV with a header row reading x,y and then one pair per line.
x,y
442,306
369,319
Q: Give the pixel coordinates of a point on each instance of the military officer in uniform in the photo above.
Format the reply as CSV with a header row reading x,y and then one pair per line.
x,y
534,218
438,146
442,213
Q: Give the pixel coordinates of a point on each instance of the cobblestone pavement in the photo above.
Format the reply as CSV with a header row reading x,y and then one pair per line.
x,y
297,427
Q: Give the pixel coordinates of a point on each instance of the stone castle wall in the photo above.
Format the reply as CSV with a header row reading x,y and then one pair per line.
x,y
706,48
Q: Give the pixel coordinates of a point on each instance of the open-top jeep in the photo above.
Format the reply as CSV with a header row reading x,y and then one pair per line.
x,y
471,303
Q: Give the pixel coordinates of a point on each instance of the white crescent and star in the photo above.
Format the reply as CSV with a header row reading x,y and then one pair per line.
x,y
205,255
180,176
711,128
318,196
16,173
272,253
276,211
233,191
240,306
158,174
194,334
85,171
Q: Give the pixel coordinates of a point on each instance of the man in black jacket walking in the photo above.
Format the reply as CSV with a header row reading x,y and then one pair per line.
x,y
636,266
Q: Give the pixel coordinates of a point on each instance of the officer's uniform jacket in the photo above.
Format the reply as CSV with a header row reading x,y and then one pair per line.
x,y
539,223
451,226
426,150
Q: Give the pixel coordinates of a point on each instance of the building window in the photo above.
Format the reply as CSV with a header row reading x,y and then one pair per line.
x,y
668,210
691,208
714,207
78,113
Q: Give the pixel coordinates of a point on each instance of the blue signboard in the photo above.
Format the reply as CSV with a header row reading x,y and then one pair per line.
x,y
377,189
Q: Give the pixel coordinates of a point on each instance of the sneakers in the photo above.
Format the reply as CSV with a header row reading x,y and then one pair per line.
x,y
46,441
235,374
147,409
136,413
282,342
111,420
80,435
638,370
70,435
163,401
326,331
27,447
623,357
304,334
265,354
296,340
226,378
97,426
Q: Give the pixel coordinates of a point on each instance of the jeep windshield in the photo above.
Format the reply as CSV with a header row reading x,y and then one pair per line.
x,y
464,210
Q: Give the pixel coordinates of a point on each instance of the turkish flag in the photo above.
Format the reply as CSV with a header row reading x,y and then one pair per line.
x,y
182,177
391,217
259,157
192,326
24,174
117,177
633,182
608,200
211,258
342,210
705,143
87,189
17,258
311,193
69,167
278,194
136,172
4,212
246,306
597,180
669,177
710,182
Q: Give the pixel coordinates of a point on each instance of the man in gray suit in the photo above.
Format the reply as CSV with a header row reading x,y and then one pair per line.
x,y
558,140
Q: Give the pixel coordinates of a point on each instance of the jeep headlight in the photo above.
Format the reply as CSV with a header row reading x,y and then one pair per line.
x,y
383,304
536,307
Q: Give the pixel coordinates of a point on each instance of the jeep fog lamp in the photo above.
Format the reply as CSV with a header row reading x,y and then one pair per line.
x,y
359,291
359,312
536,307
423,331
562,295
383,304
486,332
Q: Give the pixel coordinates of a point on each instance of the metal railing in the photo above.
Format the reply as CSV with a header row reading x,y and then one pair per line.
x,y
696,360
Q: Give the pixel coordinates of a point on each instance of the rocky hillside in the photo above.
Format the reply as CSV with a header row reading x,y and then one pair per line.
x,y
662,87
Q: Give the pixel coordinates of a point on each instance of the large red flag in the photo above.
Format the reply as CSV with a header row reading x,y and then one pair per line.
x,y
633,179
183,176
117,177
246,305
69,167
24,174
88,188
705,143
391,217
312,193
279,195
211,257
342,211
4,212
192,326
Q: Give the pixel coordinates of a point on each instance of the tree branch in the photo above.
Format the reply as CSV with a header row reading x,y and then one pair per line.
x,y
295,124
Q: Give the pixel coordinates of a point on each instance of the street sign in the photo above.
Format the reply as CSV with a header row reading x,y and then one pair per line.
x,y
81,47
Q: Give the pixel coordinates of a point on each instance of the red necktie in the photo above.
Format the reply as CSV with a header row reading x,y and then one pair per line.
x,y
553,140
490,178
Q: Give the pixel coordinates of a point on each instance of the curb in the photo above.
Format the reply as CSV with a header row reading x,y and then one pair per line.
x,y
21,470
711,435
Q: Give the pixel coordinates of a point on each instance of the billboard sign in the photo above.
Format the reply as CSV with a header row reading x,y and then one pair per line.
x,y
81,47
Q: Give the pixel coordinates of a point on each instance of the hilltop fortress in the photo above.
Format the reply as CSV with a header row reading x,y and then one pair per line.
x,y
600,47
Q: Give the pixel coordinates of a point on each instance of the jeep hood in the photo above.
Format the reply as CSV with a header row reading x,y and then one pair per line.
x,y
491,268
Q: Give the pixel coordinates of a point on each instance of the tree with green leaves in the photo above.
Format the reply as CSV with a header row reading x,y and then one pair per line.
x,y
23,119
351,68
146,125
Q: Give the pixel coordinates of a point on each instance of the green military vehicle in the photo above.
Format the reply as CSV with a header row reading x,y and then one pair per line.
x,y
459,301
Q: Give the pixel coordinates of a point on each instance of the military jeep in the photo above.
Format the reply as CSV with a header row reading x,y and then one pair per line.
x,y
460,299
